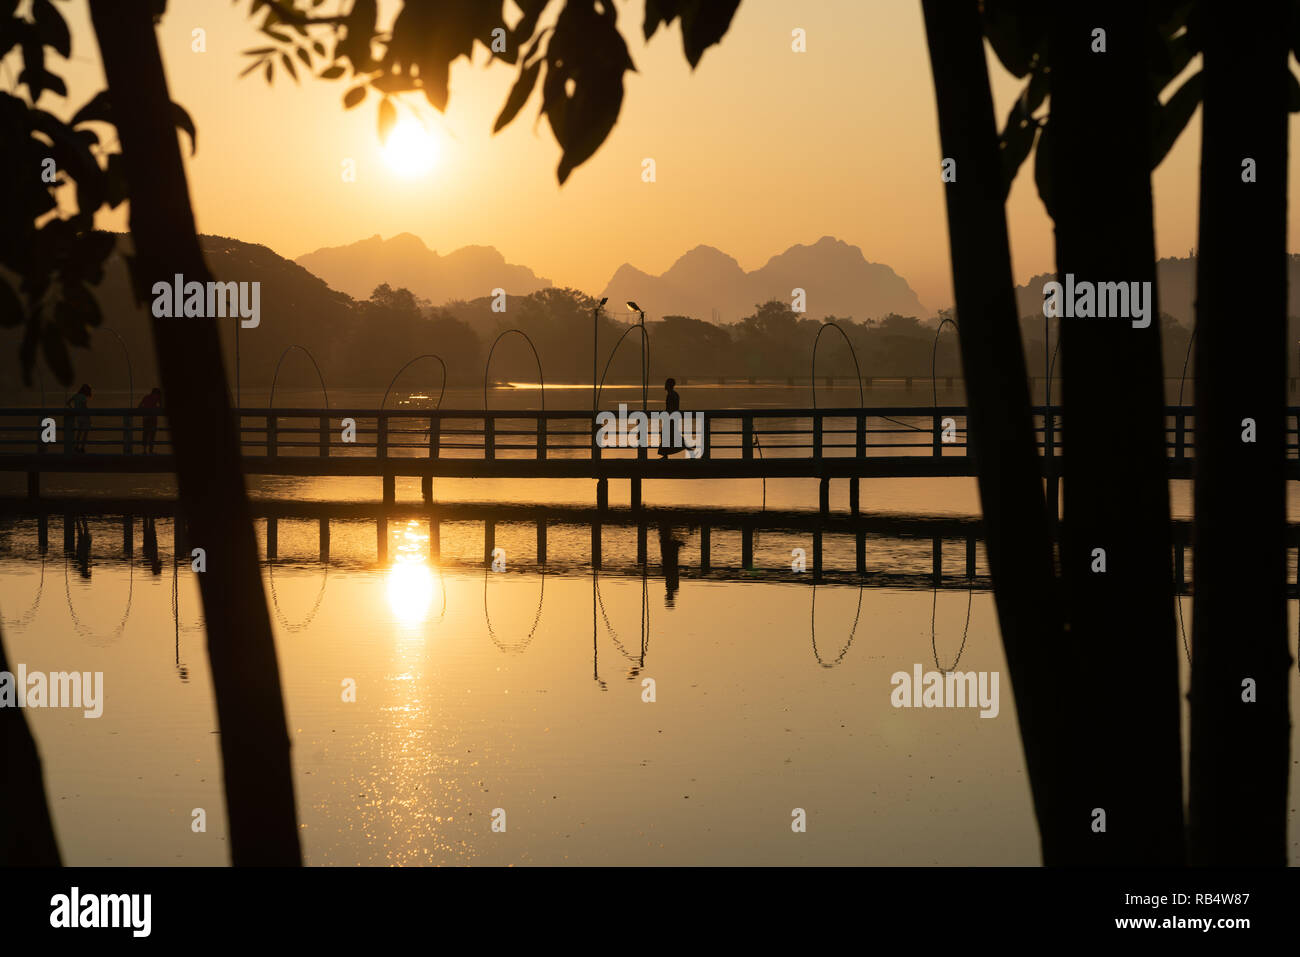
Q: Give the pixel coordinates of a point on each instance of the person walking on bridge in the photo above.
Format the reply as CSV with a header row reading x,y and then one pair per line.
x,y
151,402
668,441
79,402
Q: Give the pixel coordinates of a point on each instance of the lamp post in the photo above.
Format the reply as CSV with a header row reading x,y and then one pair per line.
x,y
644,377
595,347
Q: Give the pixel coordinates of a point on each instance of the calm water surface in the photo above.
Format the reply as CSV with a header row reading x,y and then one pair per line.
x,y
516,690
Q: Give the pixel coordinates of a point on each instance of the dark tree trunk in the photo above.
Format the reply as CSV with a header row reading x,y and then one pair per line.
x,y
245,675
1121,686
1241,751
1016,527
26,832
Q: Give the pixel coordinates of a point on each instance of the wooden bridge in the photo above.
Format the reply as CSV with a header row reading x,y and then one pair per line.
x,y
850,443
954,543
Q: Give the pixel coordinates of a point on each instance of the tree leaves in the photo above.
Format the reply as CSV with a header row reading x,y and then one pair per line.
x,y
583,91
55,353
51,28
1016,29
519,94
1170,119
358,29
1043,168
387,118
581,70
100,109
704,22
1015,143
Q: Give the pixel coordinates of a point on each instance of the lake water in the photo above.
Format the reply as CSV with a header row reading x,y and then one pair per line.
x,y
522,689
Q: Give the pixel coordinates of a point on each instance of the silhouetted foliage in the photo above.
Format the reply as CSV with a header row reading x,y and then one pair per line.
x,y
579,60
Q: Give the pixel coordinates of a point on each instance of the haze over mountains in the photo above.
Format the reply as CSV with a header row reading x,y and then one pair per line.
x,y
1175,289
708,284
404,260
705,283
361,343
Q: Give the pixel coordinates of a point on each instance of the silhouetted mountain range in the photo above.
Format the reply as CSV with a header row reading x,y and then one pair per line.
x,y
1175,289
362,343
706,283
404,260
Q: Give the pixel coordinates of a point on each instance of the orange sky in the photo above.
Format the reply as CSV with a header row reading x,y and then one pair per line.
x,y
758,149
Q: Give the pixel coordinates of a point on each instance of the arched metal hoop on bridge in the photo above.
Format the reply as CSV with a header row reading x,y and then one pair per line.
x,y
934,354
645,365
853,352
934,646
271,401
130,373
275,599
521,646
645,620
26,618
81,629
427,355
856,368
541,378
812,625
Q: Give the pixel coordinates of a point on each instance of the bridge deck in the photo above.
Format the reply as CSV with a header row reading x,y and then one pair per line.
x,y
904,442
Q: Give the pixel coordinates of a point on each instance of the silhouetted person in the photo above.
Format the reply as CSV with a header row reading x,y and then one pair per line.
x,y
669,547
79,402
152,401
672,403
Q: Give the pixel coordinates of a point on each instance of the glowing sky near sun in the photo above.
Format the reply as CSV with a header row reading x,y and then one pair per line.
x,y
758,149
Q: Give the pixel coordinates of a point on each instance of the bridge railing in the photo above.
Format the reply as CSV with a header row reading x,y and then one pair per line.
x,y
567,434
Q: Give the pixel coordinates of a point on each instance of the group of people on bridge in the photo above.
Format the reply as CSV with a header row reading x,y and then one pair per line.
x,y
76,431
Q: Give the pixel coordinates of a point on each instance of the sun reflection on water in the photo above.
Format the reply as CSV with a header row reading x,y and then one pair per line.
x,y
410,578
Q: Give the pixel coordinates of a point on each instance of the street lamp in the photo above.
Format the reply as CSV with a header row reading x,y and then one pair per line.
x,y
645,373
595,346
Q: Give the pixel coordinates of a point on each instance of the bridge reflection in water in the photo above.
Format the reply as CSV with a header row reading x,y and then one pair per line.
x,y
409,552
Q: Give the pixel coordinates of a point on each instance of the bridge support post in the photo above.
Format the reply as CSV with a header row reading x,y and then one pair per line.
x,y
705,549
854,490
426,489
390,489
381,540
435,539
128,535
937,561
595,545
602,494
970,557
635,496
862,552
69,533
33,484
272,539
43,533
817,555
324,541
489,540
824,496
747,547
641,544
1180,575
541,541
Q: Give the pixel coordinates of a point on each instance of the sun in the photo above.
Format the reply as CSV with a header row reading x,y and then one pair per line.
x,y
411,149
